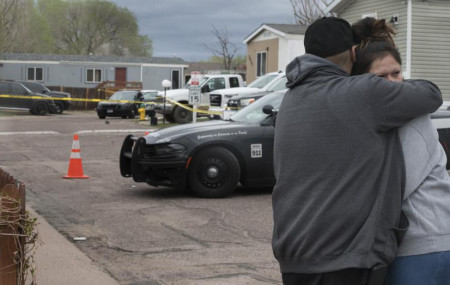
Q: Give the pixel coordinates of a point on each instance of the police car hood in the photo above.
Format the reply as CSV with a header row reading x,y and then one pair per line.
x,y
194,130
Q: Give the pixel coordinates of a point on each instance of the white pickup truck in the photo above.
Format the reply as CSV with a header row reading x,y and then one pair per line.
x,y
219,98
208,83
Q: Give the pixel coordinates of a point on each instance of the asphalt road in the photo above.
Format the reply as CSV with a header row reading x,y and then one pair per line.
x,y
138,233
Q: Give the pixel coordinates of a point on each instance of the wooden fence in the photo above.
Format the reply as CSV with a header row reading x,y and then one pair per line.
x,y
10,245
83,93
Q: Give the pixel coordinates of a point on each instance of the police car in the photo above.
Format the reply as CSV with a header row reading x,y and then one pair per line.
x,y
210,158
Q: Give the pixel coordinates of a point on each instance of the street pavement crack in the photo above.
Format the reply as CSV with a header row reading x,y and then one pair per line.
x,y
182,233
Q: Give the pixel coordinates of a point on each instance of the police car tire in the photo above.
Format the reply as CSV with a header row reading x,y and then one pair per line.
x,y
181,115
225,175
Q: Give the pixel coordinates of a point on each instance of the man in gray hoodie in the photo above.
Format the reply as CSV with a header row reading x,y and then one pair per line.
x,y
339,164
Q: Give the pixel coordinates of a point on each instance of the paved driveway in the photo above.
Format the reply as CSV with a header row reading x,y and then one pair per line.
x,y
138,233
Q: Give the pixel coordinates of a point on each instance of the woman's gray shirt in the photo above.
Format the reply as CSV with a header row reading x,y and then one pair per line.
x,y
427,190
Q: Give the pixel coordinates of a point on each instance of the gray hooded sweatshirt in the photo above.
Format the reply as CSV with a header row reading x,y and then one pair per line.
x,y
339,166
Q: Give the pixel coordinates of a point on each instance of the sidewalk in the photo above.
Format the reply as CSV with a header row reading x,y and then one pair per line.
x,y
58,261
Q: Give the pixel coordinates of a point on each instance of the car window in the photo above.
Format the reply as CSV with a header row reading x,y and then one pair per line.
x,y
253,113
234,82
4,87
33,87
124,95
18,89
36,87
216,83
150,96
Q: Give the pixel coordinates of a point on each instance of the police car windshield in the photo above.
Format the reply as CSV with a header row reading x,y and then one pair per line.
x,y
124,95
253,113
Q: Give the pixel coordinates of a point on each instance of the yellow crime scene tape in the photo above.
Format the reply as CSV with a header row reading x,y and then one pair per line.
x,y
187,107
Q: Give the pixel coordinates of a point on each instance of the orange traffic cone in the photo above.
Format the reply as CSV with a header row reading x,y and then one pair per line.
x,y
75,164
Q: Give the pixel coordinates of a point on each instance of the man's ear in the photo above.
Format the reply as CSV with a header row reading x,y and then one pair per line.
x,y
353,54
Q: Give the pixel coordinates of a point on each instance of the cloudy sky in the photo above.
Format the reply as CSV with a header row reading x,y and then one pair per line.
x,y
180,27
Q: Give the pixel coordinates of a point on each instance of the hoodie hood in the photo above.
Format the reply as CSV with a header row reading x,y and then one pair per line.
x,y
302,67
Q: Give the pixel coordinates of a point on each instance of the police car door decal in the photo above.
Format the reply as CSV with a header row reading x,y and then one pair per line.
x,y
256,150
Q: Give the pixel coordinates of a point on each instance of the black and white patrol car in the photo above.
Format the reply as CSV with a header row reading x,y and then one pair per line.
x,y
210,158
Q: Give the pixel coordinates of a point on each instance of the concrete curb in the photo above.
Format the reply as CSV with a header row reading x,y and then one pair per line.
x,y
59,261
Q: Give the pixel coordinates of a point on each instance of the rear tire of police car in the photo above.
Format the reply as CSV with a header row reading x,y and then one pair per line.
x,y
214,173
181,115
39,108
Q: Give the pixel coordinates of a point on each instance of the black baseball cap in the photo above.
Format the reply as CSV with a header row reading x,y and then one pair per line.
x,y
328,36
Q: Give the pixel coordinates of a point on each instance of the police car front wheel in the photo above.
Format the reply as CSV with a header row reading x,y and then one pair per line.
x,y
214,173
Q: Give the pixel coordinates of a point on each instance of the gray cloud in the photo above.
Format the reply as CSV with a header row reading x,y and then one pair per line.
x,y
181,26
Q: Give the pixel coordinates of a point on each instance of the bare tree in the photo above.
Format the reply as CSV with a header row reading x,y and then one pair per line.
x,y
307,11
226,51
9,13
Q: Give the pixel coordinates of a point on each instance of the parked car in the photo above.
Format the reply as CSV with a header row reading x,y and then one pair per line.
x,y
208,83
211,158
125,103
238,102
219,98
39,88
24,99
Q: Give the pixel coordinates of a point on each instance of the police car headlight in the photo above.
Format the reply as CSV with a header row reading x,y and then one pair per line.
x,y
245,102
167,149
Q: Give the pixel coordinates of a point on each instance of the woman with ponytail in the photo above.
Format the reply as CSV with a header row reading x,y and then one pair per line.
x,y
424,254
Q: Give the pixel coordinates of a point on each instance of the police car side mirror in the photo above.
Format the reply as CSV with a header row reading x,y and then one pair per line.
x,y
268,109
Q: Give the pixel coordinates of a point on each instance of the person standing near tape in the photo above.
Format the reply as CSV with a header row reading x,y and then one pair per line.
x,y
339,164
